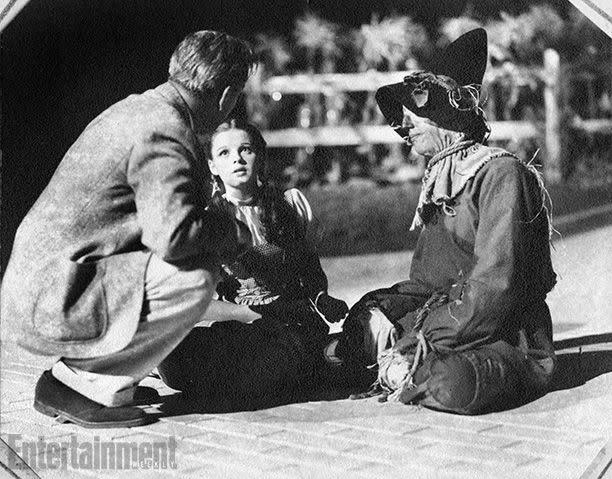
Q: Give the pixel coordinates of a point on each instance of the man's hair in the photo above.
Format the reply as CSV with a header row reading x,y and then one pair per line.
x,y
208,60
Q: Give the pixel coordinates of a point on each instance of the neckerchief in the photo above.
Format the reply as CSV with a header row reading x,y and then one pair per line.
x,y
448,172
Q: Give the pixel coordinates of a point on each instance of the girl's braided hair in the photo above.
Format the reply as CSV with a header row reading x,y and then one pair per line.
x,y
280,221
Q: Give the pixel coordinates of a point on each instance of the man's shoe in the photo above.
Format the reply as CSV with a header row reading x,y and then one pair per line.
x,y
55,399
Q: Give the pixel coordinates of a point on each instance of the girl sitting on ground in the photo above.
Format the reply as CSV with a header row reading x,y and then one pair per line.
x,y
267,331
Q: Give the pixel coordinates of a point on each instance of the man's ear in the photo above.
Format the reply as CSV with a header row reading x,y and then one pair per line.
x,y
213,168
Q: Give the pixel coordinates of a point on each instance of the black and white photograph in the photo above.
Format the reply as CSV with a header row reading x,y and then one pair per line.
x,y
292,239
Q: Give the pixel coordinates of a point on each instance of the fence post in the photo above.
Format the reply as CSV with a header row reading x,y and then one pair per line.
x,y
553,170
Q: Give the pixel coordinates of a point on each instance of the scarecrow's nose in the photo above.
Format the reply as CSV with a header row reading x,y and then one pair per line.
x,y
407,123
404,129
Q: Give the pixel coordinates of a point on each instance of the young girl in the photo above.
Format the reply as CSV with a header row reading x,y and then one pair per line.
x,y
267,330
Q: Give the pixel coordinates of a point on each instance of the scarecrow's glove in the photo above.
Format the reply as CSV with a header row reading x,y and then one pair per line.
x,y
332,308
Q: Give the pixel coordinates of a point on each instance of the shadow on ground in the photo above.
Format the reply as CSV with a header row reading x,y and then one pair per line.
x,y
579,361
329,389
587,341
575,368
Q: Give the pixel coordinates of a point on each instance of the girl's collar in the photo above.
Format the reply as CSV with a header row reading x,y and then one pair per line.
x,y
238,202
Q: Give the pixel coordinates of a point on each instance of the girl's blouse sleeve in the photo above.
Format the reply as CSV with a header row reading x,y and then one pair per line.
x,y
311,274
309,222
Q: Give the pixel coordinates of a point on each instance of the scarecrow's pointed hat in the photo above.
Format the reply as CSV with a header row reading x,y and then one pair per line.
x,y
450,87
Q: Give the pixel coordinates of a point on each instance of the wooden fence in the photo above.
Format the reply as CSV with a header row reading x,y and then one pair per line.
x,y
550,132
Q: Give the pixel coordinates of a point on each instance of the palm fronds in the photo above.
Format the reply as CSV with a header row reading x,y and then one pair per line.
x,y
317,35
394,40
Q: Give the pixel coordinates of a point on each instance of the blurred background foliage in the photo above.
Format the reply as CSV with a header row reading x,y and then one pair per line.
x,y
398,36
65,61
344,183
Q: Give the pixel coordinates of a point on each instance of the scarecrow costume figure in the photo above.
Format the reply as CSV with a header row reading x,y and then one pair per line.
x,y
470,330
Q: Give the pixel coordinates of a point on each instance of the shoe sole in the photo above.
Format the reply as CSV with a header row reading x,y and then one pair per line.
x,y
63,417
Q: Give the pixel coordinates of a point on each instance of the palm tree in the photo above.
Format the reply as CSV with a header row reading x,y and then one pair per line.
x,y
394,40
318,36
393,43
516,40
320,40
274,55
523,38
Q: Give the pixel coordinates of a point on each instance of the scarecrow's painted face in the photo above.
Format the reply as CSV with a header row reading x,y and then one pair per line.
x,y
424,135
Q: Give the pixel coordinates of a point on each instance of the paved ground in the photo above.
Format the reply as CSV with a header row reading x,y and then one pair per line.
x,y
566,434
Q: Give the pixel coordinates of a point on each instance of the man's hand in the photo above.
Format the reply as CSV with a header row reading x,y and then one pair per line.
x,y
219,311
248,316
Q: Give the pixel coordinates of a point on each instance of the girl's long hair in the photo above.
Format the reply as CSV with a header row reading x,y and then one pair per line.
x,y
280,221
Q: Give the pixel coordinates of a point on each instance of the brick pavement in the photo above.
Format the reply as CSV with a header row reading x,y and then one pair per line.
x,y
557,436
565,434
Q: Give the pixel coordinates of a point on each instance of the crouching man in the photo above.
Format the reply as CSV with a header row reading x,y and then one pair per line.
x,y
119,257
